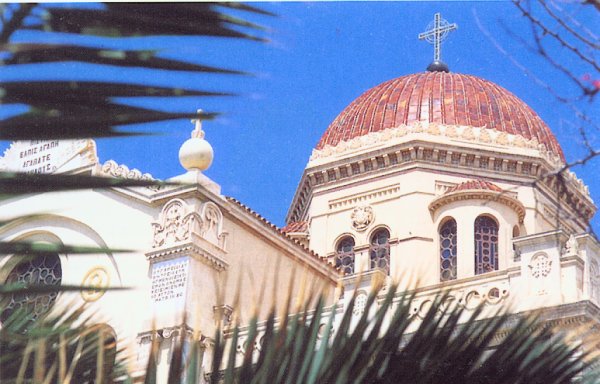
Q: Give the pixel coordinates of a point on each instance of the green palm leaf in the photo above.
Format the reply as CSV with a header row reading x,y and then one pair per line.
x,y
389,344
49,53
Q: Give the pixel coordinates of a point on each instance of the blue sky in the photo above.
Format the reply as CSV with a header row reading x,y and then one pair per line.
x,y
320,57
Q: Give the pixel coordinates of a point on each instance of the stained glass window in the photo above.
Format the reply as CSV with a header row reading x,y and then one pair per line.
x,y
380,250
41,270
344,255
486,245
448,248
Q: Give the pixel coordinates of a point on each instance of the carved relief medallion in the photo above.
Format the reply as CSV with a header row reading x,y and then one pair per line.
x,y
362,217
96,277
175,223
540,266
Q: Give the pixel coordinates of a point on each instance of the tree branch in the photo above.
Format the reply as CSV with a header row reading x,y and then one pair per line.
x,y
567,27
556,36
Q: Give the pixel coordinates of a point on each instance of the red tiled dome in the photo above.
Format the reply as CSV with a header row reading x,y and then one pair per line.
x,y
475,184
438,97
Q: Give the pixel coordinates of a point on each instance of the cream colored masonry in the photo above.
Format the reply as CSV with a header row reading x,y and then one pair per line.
x,y
555,276
460,150
398,173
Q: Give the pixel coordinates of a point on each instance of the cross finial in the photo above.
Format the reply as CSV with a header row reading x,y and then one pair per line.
x,y
198,132
436,33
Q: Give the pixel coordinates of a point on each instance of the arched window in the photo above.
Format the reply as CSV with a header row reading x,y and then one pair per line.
x,y
344,255
380,250
516,231
448,250
486,245
100,347
41,270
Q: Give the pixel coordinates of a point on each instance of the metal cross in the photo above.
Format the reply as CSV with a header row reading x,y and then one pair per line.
x,y
436,32
198,132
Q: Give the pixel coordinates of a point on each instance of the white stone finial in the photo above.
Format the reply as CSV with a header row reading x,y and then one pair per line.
x,y
196,153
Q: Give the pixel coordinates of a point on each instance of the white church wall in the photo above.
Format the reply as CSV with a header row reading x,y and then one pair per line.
x,y
89,218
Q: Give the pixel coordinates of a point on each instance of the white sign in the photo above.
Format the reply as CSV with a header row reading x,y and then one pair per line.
x,y
169,280
48,156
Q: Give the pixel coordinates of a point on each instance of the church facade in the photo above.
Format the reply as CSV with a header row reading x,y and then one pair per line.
x,y
447,182
440,181
195,257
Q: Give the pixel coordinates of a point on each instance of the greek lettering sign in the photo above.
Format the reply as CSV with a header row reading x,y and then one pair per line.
x,y
49,156
169,281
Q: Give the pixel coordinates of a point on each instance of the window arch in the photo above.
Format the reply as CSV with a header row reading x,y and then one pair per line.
x,y
379,250
344,255
40,270
486,245
516,231
448,250
101,342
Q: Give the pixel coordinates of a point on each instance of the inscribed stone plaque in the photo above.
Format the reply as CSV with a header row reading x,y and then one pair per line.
x,y
49,156
169,284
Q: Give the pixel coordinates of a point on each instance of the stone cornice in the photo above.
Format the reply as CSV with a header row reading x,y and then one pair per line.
x,y
556,236
392,136
522,166
479,194
560,316
190,248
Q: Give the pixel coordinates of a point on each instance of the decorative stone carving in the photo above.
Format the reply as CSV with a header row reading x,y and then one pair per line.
x,y
502,138
571,247
424,308
96,277
111,168
484,136
434,129
540,266
323,329
244,343
212,220
223,314
468,134
362,217
175,223
477,134
451,131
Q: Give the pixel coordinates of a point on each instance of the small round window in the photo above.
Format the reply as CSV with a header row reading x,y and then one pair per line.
x,y
39,270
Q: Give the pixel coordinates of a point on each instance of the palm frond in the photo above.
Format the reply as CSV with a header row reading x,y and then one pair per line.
x,y
390,344
139,19
38,248
51,53
35,289
19,183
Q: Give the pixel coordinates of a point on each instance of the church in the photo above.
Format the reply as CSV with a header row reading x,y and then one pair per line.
x,y
438,180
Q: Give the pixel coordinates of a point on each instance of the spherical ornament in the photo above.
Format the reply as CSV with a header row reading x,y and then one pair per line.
x,y
196,154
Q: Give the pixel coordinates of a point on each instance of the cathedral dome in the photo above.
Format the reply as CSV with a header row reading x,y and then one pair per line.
x,y
443,98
